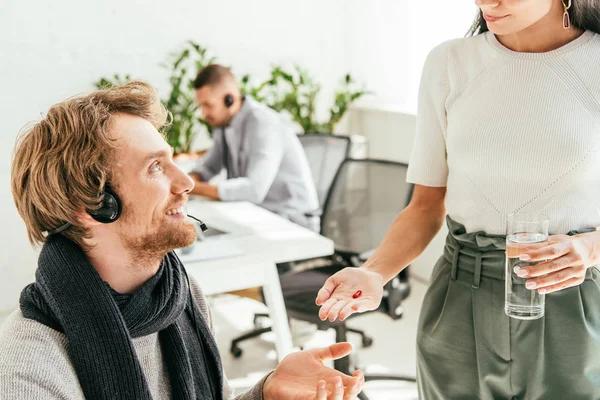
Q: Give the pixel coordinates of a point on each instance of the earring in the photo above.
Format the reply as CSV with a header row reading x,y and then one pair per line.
x,y
566,17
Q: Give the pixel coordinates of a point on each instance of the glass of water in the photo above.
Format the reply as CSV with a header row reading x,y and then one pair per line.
x,y
524,233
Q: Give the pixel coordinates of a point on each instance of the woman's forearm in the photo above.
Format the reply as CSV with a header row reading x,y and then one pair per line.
x,y
412,231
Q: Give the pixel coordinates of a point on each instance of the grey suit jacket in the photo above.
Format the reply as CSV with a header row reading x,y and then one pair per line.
x,y
265,161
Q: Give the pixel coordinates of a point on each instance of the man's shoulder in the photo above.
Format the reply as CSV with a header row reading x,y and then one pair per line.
x,y
34,360
200,299
18,331
262,114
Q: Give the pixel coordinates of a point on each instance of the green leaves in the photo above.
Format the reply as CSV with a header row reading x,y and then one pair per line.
x,y
180,101
115,80
294,92
187,121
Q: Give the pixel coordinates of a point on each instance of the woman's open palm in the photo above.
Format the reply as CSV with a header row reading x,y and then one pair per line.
x,y
336,297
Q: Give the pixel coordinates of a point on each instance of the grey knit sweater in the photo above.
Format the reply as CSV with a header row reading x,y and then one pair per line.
x,y
34,363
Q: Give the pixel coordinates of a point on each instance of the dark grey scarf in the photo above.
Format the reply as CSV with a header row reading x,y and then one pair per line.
x,y
70,297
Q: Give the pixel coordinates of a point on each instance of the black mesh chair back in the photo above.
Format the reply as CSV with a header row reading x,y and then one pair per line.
x,y
325,154
364,200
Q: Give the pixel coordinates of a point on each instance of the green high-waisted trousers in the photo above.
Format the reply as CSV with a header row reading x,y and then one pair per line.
x,y
467,348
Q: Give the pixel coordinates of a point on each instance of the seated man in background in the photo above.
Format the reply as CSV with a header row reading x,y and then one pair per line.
x,y
263,157
112,314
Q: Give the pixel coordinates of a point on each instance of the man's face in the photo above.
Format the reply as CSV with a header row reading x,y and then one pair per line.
x,y
211,100
153,190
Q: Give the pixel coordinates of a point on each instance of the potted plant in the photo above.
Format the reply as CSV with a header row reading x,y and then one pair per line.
x,y
187,122
180,101
293,92
296,92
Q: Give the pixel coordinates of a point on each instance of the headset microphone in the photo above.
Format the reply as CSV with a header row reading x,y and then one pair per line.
x,y
203,226
195,317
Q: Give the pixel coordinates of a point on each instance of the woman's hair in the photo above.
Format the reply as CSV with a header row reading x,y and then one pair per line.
x,y
62,163
585,14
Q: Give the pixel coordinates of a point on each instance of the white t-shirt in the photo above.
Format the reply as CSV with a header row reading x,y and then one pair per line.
x,y
511,132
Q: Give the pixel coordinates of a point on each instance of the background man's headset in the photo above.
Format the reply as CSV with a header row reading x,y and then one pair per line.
x,y
110,211
229,100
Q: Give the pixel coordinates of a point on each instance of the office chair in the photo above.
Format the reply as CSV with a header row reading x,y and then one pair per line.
x,y
325,154
364,200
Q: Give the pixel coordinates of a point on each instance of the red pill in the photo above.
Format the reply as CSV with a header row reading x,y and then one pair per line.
x,y
357,294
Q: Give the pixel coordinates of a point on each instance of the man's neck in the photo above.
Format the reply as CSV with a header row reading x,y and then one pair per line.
x,y
123,271
238,104
236,108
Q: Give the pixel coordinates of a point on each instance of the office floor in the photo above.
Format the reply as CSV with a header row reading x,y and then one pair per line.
x,y
393,349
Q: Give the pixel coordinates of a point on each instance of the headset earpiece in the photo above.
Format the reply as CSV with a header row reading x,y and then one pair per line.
x,y
109,211
228,100
111,207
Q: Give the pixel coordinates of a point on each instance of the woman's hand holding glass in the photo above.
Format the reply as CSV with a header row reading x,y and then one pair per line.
x,y
564,262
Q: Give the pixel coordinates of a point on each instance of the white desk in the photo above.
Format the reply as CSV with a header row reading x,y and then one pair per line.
x,y
265,239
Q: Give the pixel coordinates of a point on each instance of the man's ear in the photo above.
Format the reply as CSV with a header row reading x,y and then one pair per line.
x,y
86,219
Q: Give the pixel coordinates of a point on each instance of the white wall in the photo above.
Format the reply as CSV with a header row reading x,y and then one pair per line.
x,y
52,50
391,40
390,133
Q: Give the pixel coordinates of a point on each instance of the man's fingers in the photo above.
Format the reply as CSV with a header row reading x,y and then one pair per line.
x,y
326,291
321,391
324,310
335,310
360,376
333,352
354,380
354,386
338,391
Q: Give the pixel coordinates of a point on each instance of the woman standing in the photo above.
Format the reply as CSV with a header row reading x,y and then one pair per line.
x,y
508,121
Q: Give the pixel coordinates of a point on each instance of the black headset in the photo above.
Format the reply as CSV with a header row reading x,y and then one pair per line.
x,y
229,100
109,211
228,103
